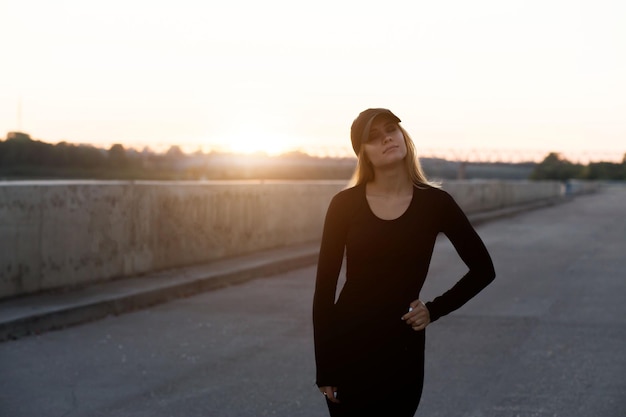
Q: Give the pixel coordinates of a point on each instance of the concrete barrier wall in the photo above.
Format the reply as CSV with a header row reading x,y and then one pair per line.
x,y
478,196
58,234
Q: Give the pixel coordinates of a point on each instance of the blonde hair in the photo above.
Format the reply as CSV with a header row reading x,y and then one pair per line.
x,y
364,171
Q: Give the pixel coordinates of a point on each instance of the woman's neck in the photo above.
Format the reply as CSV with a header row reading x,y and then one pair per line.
x,y
390,183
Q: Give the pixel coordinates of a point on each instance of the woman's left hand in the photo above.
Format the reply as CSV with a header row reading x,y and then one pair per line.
x,y
418,316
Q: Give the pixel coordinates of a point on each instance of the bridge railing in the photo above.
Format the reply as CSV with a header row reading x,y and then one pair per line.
x,y
60,234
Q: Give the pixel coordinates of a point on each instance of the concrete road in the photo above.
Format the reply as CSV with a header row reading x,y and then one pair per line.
x,y
547,338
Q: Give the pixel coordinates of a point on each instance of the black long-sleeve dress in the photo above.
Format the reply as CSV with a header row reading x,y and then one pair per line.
x,y
360,339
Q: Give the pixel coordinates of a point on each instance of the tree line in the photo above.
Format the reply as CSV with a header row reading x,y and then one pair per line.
x,y
556,167
21,157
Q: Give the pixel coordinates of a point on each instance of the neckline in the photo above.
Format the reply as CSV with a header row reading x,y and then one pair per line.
x,y
369,209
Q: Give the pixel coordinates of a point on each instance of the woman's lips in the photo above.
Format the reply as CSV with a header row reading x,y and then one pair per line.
x,y
390,148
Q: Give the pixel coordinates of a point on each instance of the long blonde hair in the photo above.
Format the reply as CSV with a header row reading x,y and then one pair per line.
x,y
364,172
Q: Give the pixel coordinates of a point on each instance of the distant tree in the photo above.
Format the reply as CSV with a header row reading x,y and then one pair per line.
x,y
604,171
555,167
62,154
18,136
174,153
117,156
20,149
87,156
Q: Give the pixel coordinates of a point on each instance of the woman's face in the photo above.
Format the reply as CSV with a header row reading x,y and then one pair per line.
x,y
385,145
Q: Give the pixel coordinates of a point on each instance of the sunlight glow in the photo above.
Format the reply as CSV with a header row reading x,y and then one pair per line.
x,y
250,141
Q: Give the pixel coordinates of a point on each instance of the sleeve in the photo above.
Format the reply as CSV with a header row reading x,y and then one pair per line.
x,y
472,250
328,268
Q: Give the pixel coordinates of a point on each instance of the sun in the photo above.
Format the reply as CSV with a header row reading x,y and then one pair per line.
x,y
250,141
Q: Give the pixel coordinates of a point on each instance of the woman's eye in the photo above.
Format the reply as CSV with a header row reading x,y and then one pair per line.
x,y
374,136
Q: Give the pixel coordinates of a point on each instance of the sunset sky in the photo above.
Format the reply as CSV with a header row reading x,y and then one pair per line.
x,y
278,75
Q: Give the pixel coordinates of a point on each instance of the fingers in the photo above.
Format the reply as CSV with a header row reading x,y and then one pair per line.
x,y
419,324
418,316
414,309
330,393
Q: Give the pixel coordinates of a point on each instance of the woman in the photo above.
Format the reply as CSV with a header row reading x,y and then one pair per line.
x,y
369,341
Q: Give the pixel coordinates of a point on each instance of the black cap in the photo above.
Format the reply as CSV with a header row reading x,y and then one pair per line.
x,y
361,126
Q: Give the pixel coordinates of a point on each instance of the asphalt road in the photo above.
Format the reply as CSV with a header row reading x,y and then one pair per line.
x,y
547,338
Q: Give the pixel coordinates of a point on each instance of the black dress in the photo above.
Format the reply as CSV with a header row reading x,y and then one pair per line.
x,y
361,344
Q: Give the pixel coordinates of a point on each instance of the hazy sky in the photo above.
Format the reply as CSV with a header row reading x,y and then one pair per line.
x,y
274,75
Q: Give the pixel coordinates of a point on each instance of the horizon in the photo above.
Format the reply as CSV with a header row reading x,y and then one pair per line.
x,y
474,155
465,78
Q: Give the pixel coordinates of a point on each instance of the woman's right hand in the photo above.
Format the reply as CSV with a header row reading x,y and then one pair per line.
x,y
330,393
418,316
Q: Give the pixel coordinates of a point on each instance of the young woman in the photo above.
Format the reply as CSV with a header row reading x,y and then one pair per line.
x,y
369,341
